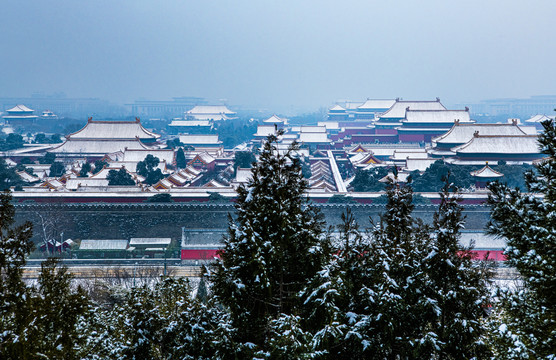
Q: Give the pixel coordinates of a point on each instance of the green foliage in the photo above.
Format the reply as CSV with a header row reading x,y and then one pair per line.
x,y
514,175
368,180
202,292
235,132
273,248
165,323
160,198
8,176
48,158
10,142
148,169
384,295
57,169
41,138
526,320
71,128
217,197
119,177
244,159
99,165
181,162
306,168
36,321
432,179
174,143
85,170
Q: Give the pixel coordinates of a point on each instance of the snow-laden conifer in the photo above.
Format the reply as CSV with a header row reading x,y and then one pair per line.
x,y
527,326
273,247
457,292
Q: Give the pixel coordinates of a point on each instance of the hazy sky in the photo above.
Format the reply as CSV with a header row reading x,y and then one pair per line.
x,y
279,55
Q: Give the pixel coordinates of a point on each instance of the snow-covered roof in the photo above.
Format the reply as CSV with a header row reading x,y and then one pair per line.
x,y
376,104
437,116
329,125
539,118
462,133
412,164
265,130
199,139
314,137
210,110
357,149
74,183
350,105
486,172
97,146
336,108
480,144
103,173
243,175
312,129
136,155
150,241
529,130
403,154
190,123
214,184
118,130
204,157
275,120
397,111
482,240
103,244
19,109
363,158
27,177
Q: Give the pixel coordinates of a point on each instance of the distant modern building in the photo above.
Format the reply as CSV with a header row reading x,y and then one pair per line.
x,y
515,107
165,108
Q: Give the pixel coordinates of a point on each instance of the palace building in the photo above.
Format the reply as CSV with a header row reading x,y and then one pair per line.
x,y
99,138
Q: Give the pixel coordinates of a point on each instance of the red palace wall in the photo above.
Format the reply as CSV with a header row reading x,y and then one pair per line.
x,y
199,254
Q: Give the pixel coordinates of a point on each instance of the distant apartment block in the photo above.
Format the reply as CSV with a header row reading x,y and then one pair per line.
x,y
165,108
523,108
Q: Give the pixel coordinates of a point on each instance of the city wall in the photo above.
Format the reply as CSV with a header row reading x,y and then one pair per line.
x,y
123,221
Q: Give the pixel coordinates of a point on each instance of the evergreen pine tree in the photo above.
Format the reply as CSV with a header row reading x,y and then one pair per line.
x,y
457,287
273,248
35,321
181,163
85,170
527,326
15,246
334,295
148,169
392,296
